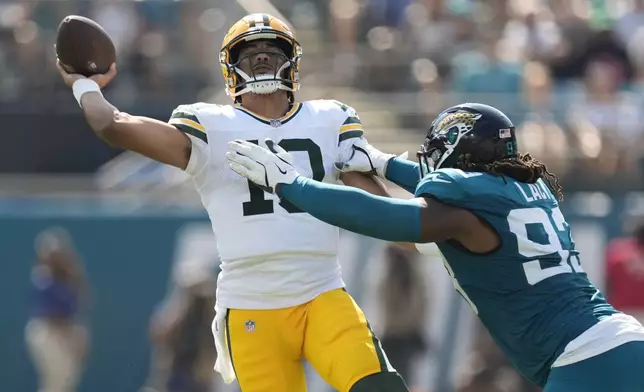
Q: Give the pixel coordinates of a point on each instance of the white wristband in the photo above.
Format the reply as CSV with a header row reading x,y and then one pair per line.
x,y
82,86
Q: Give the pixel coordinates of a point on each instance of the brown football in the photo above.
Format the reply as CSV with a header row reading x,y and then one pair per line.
x,y
83,46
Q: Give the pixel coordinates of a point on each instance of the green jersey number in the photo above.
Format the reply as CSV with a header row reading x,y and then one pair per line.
x,y
258,204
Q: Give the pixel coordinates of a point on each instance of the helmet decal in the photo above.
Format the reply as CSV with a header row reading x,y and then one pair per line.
x,y
471,133
451,128
461,121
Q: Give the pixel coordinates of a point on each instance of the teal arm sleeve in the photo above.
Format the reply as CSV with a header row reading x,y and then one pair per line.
x,y
403,173
355,210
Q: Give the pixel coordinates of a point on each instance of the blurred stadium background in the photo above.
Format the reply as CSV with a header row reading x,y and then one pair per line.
x,y
569,73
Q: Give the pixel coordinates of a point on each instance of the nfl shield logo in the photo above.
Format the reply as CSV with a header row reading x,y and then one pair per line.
x,y
250,325
275,123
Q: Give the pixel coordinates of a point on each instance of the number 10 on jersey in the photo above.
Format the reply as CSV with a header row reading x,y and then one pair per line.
x,y
258,204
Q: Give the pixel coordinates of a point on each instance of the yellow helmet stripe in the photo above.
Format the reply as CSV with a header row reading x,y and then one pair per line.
x,y
260,20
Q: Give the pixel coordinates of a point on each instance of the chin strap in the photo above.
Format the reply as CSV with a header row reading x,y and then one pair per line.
x,y
262,84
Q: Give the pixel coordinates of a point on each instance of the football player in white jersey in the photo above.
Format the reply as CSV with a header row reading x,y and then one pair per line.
x,y
280,296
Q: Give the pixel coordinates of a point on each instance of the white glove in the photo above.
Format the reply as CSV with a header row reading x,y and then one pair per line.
x,y
366,158
266,167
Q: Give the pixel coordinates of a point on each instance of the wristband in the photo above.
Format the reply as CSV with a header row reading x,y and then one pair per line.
x,y
82,86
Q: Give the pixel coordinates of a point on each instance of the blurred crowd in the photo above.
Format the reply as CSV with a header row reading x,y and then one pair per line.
x,y
159,44
568,72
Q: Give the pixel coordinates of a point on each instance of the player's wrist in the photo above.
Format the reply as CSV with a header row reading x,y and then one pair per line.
x,y
383,171
384,160
282,187
279,188
84,86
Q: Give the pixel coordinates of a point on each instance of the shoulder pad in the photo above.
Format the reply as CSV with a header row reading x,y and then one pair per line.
x,y
333,106
451,186
349,112
346,118
187,119
351,126
202,109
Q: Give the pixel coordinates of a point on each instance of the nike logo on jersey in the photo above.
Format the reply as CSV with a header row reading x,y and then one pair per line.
x,y
436,177
280,169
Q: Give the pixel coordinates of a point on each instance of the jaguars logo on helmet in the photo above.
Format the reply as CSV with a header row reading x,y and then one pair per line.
x,y
480,132
254,27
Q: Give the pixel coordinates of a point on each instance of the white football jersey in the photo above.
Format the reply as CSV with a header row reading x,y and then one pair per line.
x,y
273,255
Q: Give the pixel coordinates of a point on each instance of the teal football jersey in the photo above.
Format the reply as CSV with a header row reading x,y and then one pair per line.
x,y
531,292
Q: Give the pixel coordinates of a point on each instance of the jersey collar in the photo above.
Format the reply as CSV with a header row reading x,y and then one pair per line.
x,y
275,122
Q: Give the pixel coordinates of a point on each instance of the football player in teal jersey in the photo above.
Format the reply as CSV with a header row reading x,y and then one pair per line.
x,y
494,214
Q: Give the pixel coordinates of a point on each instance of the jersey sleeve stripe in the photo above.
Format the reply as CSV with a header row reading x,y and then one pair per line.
x,y
350,127
352,120
185,115
188,122
350,135
190,130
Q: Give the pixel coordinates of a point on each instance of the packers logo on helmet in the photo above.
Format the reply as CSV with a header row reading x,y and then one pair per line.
x,y
260,27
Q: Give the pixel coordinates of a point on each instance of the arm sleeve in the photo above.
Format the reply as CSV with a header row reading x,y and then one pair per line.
x,y
356,210
404,173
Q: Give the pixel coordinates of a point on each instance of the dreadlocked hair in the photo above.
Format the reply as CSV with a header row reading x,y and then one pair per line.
x,y
523,168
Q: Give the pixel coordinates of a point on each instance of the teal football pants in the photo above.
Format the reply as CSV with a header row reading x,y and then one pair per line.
x,y
618,370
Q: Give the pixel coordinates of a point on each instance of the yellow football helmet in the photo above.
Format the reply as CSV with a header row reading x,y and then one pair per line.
x,y
254,27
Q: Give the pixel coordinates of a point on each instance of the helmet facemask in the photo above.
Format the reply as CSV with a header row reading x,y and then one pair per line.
x,y
278,73
428,156
442,140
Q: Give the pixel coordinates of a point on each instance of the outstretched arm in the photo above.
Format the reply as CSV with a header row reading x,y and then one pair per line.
x,y
374,186
403,173
416,220
366,182
152,138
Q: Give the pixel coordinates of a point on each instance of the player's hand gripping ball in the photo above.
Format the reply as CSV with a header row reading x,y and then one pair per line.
x,y
83,47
